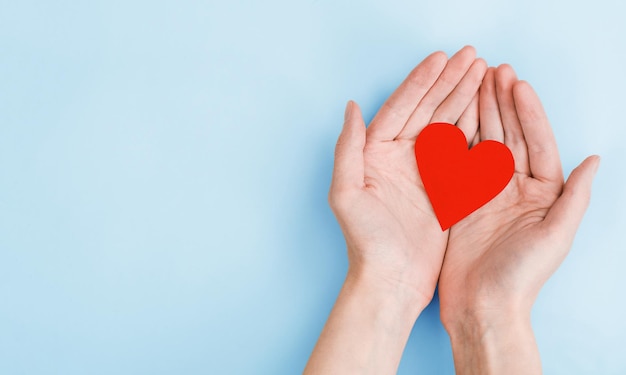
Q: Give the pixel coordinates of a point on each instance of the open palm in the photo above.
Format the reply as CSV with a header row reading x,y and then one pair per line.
x,y
377,194
499,257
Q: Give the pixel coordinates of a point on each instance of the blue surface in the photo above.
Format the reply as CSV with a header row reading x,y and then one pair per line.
x,y
164,167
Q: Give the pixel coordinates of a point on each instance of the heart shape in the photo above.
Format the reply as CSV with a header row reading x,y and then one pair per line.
x,y
459,181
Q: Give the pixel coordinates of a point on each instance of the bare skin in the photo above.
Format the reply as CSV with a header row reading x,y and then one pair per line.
x,y
499,257
496,259
394,242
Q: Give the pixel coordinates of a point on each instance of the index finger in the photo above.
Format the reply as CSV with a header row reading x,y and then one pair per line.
x,y
396,110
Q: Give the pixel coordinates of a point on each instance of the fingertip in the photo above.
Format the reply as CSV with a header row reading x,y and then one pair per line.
x,y
522,86
348,168
504,66
594,161
467,52
468,48
597,165
348,111
482,63
570,207
356,110
524,93
595,157
583,174
352,110
505,72
590,160
354,123
437,58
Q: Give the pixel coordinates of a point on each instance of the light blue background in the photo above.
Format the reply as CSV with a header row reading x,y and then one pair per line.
x,y
164,167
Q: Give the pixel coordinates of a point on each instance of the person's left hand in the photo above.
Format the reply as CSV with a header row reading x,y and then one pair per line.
x,y
499,257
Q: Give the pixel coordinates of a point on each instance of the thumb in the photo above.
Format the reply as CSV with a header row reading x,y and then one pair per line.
x,y
349,164
568,210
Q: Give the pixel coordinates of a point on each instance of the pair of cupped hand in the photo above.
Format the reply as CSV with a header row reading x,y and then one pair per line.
x,y
493,263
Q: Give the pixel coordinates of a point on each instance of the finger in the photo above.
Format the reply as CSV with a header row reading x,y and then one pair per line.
x,y
396,111
454,71
476,139
505,78
490,122
349,165
543,155
460,98
568,210
468,122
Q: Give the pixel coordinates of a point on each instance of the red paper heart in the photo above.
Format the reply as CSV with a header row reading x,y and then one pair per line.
x,y
459,181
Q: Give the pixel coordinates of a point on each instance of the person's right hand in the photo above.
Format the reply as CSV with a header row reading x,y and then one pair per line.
x,y
377,194
499,257
395,244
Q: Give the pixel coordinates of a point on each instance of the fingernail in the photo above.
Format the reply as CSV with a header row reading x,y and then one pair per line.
x,y
595,168
346,115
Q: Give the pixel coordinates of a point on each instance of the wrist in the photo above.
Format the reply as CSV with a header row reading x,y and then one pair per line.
x,y
501,342
367,328
391,294
471,326
461,318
